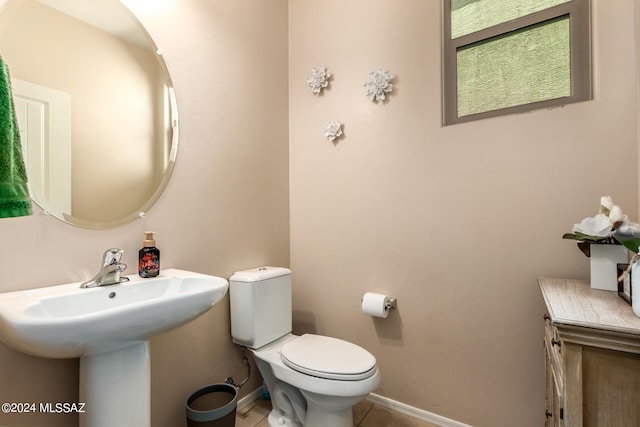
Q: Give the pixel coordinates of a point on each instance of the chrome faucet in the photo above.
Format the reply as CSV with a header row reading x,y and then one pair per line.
x,y
110,270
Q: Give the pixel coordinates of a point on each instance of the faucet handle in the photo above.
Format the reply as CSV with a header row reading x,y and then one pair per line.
x,y
112,256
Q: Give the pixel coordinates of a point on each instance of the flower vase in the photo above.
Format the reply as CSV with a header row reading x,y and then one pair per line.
x,y
604,260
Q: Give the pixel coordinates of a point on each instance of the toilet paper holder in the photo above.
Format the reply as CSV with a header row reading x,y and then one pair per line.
x,y
390,304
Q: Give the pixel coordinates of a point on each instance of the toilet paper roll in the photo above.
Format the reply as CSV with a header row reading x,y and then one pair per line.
x,y
375,304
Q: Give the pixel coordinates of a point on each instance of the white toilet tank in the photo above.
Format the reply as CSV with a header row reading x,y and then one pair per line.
x,y
260,305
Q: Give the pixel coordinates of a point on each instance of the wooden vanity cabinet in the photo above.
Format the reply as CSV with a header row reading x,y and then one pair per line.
x,y
592,349
554,407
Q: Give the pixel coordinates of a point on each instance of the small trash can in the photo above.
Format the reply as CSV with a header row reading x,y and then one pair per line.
x,y
212,406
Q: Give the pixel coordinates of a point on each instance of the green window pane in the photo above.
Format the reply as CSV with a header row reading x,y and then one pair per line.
x,y
517,68
468,16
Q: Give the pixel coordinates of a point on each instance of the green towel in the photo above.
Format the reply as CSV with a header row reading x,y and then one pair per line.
x,y
14,195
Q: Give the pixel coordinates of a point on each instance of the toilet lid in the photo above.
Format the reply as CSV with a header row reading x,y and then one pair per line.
x,y
329,358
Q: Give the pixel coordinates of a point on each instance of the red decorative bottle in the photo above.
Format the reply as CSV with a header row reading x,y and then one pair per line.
x,y
148,257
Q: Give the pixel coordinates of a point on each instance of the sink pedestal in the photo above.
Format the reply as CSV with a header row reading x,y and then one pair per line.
x,y
116,387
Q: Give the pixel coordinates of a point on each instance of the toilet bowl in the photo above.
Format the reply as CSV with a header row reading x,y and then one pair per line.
x,y
328,396
313,380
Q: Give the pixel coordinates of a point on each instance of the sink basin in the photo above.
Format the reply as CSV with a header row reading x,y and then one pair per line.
x,y
108,328
66,321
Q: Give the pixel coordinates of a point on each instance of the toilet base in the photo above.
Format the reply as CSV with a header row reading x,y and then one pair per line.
x,y
334,411
277,420
314,419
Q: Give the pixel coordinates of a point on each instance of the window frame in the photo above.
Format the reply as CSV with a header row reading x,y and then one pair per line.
x,y
579,12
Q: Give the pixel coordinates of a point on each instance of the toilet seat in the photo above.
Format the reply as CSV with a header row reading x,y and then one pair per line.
x,y
328,358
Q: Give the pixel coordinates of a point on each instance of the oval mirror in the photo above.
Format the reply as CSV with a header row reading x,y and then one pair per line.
x,y
95,107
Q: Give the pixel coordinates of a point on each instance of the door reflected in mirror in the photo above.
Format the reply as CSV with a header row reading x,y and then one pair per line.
x,y
95,107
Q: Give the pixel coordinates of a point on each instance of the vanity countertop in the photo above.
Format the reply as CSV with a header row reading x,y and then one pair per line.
x,y
572,303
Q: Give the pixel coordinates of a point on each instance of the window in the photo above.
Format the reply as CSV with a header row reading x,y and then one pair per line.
x,y
508,56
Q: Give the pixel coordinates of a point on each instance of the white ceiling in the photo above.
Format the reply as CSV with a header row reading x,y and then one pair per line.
x,y
108,15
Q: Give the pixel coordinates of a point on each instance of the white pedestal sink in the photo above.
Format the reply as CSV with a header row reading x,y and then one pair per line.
x,y
108,328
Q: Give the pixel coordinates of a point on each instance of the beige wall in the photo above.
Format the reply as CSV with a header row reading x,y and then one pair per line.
x,y
225,208
456,222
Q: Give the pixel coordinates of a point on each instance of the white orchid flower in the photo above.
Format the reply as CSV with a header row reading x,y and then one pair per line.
x,y
609,226
597,226
612,211
606,204
615,215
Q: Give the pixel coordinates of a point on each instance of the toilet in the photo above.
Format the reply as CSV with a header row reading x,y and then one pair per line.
x,y
313,380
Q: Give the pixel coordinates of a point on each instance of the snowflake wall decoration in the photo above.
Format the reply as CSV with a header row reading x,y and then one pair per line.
x,y
333,130
319,79
379,83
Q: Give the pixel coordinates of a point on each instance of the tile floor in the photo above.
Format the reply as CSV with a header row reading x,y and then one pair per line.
x,y
365,414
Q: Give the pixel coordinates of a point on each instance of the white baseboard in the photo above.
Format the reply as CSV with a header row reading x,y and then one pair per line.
x,y
254,395
414,412
384,402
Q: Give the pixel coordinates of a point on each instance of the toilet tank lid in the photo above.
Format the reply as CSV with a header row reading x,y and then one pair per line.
x,y
259,274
